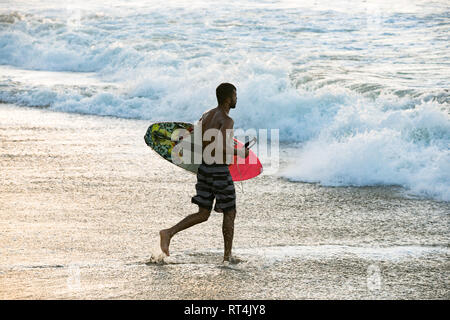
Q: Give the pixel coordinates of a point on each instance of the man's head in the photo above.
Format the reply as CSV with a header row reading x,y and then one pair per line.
x,y
226,94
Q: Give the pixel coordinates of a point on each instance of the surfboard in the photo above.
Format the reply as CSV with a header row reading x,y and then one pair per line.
x,y
163,138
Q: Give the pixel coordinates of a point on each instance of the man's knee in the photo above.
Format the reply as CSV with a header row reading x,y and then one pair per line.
x,y
204,213
229,214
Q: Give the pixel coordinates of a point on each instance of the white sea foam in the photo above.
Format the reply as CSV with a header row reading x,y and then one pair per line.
x,y
368,146
350,82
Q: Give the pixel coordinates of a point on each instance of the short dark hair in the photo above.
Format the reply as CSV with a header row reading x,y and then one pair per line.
x,y
223,91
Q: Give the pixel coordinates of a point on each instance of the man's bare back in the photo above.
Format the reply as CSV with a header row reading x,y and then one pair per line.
x,y
216,119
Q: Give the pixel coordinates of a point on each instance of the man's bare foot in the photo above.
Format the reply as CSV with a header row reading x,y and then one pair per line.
x,y
232,260
165,241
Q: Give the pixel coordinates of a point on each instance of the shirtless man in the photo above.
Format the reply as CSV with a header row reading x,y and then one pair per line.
x,y
214,179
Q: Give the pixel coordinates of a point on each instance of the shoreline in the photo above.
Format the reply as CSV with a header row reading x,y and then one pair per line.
x,y
82,197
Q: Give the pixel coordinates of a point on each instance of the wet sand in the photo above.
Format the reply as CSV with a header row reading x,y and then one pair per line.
x,y
82,199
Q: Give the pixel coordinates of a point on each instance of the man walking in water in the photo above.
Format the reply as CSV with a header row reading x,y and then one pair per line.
x,y
213,178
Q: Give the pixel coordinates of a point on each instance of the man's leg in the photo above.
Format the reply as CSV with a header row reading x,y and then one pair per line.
x,y
228,232
201,216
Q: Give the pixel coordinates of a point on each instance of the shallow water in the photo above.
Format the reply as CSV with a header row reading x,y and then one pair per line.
x,y
82,199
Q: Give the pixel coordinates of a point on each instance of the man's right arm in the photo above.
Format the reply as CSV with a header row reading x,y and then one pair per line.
x,y
227,135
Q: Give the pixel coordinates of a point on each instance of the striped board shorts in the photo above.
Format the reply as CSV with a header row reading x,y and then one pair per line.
x,y
214,181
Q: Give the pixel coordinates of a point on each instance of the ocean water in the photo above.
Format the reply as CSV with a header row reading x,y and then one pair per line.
x,y
358,89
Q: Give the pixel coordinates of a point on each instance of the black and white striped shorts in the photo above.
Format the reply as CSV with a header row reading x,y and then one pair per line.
x,y
214,181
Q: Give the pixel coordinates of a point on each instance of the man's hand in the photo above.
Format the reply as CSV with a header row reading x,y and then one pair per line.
x,y
242,153
247,152
227,134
